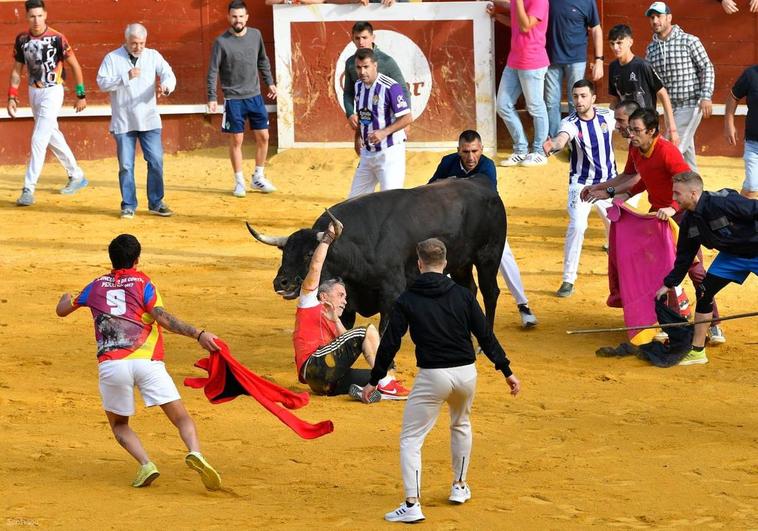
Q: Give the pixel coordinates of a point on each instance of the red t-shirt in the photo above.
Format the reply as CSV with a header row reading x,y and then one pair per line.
x,y
312,329
656,168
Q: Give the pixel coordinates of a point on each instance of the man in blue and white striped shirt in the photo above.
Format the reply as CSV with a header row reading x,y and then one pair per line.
x,y
383,113
589,129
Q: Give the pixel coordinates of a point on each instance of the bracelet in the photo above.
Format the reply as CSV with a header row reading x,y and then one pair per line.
x,y
599,58
200,334
327,238
80,90
12,92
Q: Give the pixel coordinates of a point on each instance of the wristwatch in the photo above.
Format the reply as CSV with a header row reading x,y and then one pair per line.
x,y
611,191
600,57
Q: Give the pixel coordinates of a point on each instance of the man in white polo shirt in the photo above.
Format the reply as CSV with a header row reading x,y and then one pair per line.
x,y
129,73
383,113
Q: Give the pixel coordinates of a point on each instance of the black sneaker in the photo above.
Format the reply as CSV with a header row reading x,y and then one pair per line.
x,y
356,392
566,289
162,210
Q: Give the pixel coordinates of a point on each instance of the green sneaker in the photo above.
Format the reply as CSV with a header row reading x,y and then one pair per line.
x,y
208,474
146,475
694,357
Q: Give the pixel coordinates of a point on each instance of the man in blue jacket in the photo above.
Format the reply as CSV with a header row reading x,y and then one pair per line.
x,y
722,220
470,161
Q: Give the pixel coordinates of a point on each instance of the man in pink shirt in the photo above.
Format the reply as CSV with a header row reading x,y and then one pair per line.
x,y
524,74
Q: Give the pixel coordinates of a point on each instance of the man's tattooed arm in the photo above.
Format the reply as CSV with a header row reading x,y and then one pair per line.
x,y
173,324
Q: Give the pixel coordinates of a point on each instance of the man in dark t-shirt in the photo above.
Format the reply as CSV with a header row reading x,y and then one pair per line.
x,y
633,78
745,87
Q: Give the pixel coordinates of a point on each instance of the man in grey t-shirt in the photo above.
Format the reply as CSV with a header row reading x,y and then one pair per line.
x,y
238,54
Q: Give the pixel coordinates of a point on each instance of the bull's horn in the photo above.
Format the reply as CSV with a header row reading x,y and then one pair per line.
x,y
276,241
337,224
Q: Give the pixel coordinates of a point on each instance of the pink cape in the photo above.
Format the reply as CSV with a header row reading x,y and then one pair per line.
x,y
641,253
228,378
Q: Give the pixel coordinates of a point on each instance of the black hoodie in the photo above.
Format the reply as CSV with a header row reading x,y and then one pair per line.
x,y
442,316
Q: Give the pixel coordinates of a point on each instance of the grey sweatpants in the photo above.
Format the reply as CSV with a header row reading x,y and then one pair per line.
x,y
431,388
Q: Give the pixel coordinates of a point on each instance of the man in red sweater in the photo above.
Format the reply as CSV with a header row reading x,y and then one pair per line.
x,y
652,163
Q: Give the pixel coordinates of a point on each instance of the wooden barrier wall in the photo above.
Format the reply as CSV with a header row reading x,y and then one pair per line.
x,y
184,30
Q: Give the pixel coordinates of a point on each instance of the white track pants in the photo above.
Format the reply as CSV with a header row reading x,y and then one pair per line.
x,y
578,212
687,120
512,275
431,388
46,103
385,167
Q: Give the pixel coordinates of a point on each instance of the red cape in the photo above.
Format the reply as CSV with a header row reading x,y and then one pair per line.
x,y
228,378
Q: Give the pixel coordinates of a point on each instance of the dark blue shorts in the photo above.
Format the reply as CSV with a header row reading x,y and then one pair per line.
x,y
734,268
236,111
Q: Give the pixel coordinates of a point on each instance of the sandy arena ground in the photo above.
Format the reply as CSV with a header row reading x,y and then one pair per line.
x,y
590,442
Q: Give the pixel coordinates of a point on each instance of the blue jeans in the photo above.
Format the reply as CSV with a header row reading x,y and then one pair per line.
x,y
532,84
556,74
152,149
751,166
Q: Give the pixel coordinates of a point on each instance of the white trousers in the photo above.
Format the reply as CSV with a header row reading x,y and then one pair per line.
x,y
578,212
385,167
512,275
431,388
687,120
46,103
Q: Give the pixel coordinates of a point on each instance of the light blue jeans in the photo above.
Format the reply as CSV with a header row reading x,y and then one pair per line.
x,y
556,75
152,149
531,83
751,166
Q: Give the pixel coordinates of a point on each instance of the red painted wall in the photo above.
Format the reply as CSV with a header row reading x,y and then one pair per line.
x,y
184,30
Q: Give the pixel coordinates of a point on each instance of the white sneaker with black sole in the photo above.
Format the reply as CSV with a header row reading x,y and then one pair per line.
x,y
405,513
459,493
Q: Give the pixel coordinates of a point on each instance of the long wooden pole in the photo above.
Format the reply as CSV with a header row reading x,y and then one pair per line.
x,y
670,325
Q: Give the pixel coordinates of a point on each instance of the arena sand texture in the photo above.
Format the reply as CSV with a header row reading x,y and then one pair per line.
x,y
590,442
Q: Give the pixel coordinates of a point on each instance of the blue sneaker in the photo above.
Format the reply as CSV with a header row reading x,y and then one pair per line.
x,y
74,185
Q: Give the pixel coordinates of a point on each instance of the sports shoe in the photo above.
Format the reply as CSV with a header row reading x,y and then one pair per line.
x,y
146,475
127,213
356,392
406,514
262,184
716,336
239,189
393,391
661,337
26,198
514,160
459,493
534,159
566,289
528,320
74,185
163,210
208,474
694,357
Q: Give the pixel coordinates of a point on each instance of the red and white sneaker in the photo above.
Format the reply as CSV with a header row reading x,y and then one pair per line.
x,y
393,391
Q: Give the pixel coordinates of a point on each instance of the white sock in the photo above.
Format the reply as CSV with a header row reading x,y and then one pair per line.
x,y
258,172
387,379
239,177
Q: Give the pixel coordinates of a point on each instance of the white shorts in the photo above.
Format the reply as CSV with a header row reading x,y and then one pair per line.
x,y
118,378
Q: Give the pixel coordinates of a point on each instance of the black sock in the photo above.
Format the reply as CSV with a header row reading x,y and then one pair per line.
x,y
698,349
409,504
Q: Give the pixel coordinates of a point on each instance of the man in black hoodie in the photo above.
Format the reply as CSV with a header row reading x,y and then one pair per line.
x,y
722,220
441,316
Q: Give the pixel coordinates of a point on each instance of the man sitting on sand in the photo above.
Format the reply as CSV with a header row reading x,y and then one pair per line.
x,y
324,350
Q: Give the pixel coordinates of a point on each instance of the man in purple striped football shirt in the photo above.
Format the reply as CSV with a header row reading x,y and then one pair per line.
x,y
383,113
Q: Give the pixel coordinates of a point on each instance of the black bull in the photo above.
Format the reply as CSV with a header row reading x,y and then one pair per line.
x,y
376,254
